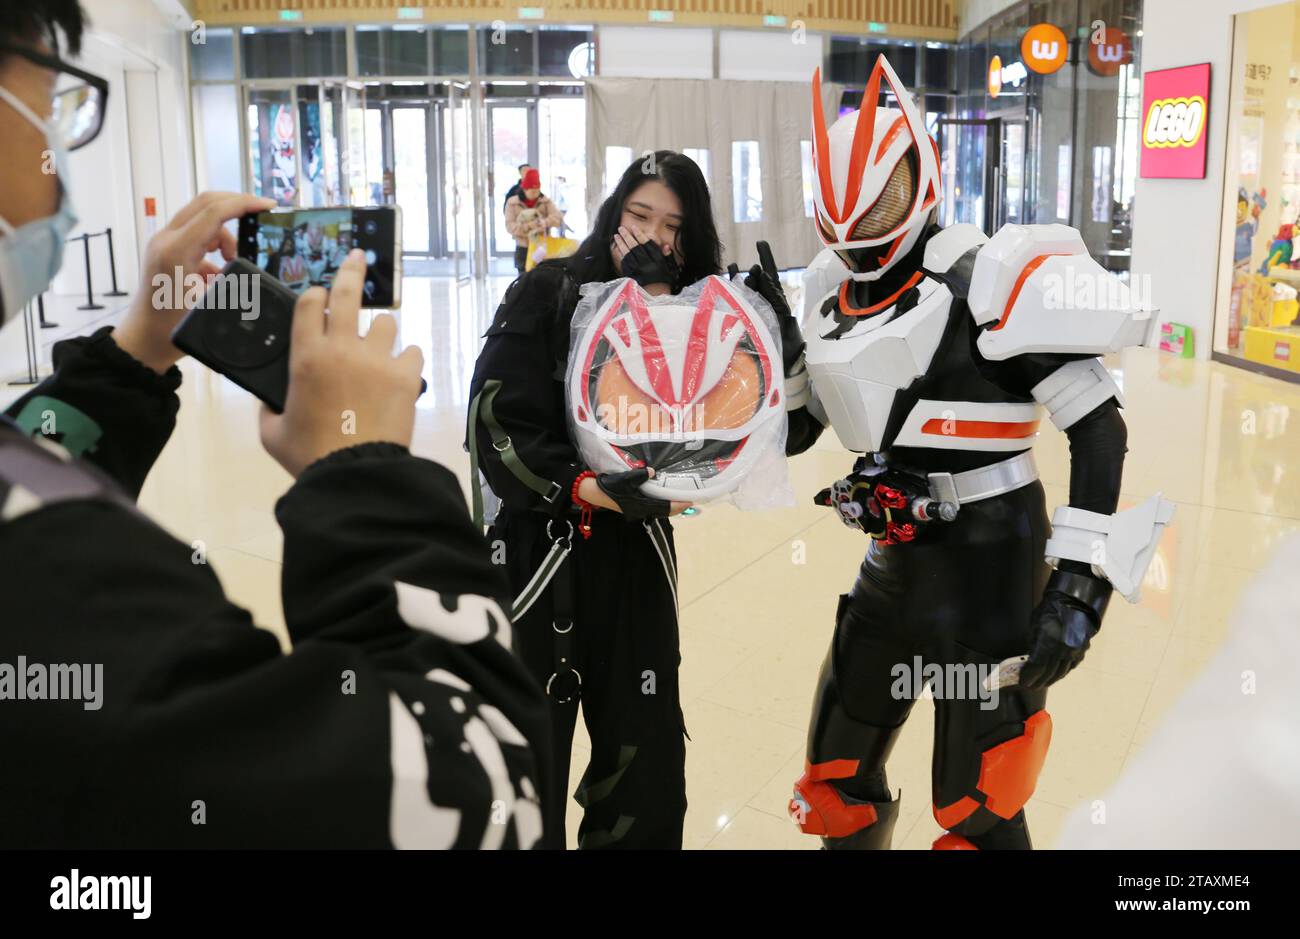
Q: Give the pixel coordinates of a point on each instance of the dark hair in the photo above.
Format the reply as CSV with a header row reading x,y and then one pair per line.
x,y
522,165
33,21
701,250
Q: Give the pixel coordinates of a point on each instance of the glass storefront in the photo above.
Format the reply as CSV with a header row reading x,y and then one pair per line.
x,y
1054,139
1257,322
436,118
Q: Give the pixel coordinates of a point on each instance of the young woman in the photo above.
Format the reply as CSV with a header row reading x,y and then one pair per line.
x,y
603,629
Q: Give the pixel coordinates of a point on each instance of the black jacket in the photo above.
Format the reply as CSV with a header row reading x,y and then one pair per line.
x,y
526,351
401,717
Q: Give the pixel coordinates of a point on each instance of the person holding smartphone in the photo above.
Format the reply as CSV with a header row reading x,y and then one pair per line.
x,y
616,589
400,719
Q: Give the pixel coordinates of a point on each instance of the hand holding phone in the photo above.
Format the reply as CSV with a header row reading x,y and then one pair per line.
x,y
174,259
344,389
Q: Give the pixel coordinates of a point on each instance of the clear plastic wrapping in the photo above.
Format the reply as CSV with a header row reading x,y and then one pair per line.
x,y
690,384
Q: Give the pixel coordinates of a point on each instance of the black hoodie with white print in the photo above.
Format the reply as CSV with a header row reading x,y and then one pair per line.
x,y
400,718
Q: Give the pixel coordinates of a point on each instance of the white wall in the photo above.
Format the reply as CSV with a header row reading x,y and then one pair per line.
x,y
655,52
144,148
769,55
972,13
1178,235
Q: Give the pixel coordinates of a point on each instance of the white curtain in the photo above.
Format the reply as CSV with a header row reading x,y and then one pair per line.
x,y
646,114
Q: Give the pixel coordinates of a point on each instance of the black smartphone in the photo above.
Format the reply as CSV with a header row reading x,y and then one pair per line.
x,y
241,329
304,247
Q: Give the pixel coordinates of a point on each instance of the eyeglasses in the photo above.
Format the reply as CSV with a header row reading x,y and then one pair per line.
x,y
80,98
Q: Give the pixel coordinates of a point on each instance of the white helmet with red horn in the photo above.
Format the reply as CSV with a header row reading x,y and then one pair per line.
x,y
878,179
689,384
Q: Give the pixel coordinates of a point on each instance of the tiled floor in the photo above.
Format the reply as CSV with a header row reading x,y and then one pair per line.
x,y
759,589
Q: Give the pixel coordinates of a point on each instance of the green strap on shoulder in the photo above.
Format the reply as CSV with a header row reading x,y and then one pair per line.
x,y
482,405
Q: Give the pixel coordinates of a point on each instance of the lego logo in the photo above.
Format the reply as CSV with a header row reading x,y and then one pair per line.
x,y
1174,122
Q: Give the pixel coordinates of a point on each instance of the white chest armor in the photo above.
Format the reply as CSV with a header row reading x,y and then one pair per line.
x,y
1021,298
859,374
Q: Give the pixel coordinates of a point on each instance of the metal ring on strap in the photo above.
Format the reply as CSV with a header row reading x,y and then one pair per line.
x,y
554,675
503,446
567,537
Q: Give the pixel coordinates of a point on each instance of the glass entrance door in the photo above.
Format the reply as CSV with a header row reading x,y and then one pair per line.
x,y
509,144
413,157
414,152
984,171
456,214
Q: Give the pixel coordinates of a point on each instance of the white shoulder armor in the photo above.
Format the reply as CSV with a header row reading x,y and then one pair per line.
x,y
1042,292
946,255
825,273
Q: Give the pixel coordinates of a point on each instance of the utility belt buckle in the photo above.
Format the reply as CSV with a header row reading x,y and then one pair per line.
x,y
888,504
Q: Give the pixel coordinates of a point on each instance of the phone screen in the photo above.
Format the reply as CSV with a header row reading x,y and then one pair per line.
x,y
304,247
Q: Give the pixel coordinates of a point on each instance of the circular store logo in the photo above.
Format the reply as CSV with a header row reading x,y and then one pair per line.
x,y
1044,48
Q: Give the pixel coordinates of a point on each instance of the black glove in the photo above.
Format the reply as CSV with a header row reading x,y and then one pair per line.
x,y
1063,623
647,264
625,489
764,280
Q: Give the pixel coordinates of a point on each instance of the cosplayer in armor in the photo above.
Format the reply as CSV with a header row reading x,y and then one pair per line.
x,y
933,352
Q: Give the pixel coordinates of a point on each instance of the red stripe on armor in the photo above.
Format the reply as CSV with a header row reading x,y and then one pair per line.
x,y
981,430
848,309
897,126
1020,282
822,150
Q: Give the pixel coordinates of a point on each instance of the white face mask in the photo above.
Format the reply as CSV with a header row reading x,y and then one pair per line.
x,y
31,255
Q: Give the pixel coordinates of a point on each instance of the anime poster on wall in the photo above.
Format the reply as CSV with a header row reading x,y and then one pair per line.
x,y
284,154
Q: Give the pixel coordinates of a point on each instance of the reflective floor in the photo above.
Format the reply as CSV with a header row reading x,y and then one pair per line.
x,y
759,590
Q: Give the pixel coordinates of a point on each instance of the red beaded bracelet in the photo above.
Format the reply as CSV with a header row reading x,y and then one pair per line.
x,y
585,507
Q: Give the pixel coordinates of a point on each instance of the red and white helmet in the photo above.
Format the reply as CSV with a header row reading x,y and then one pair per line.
x,y
688,384
878,179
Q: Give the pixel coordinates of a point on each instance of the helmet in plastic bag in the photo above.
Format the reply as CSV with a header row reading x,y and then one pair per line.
x,y
690,385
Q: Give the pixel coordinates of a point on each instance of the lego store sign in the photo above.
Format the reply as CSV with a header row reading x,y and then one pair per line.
x,y
1175,112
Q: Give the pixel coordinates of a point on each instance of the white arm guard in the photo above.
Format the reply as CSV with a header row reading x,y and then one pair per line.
x,y
798,387
1041,292
1074,390
1119,547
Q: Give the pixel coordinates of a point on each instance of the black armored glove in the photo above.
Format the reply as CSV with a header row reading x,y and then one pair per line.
x,y
1063,624
764,280
625,489
647,264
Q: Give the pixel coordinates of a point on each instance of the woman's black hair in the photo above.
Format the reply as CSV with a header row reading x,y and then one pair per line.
x,y
33,21
699,245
